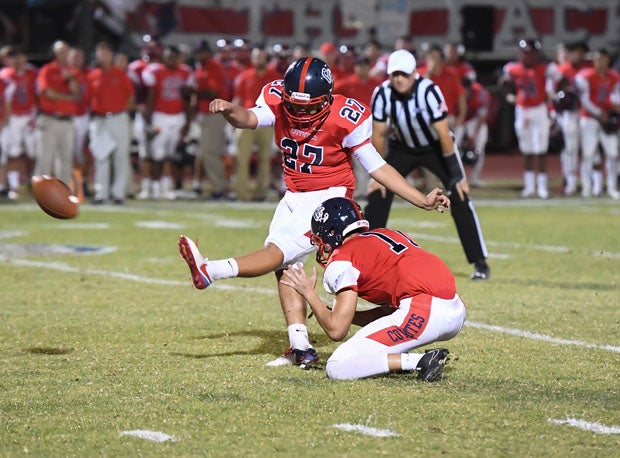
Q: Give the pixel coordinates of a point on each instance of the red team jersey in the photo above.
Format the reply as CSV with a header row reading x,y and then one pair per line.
x,y
55,77
463,69
7,89
568,71
135,71
353,86
385,266
82,100
249,84
25,96
167,83
478,101
599,88
530,82
109,91
210,76
319,158
451,87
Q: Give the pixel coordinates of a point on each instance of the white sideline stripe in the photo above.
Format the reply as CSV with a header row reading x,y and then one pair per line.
x,y
154,436
586,425
160,281
366,430
542,337
125,276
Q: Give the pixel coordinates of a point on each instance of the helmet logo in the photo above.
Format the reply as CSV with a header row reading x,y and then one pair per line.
x,y
326,73
320,215
301,96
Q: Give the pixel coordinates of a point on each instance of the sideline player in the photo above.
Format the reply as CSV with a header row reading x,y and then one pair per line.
x,y
18,135
416,291
533,80
599,87
317,133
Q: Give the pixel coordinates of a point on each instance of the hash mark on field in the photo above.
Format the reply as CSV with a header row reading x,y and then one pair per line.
x,y
586,425
154,436
162,281
536,336
366,430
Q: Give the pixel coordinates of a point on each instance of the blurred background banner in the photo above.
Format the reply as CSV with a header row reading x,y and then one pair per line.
x,y
488,29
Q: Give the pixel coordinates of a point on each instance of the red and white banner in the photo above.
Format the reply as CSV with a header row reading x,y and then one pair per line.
x,y
354,22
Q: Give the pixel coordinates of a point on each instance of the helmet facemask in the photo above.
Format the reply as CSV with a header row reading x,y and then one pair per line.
x,y
305,112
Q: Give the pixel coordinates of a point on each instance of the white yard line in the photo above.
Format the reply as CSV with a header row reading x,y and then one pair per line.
x,y
154,436
160,281
366,430
542,337
586,425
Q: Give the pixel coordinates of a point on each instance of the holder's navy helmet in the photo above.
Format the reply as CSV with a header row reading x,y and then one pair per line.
x,y
307,96
331,222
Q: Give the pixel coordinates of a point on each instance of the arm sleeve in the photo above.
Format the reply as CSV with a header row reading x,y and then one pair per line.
x,y
263,112
369,157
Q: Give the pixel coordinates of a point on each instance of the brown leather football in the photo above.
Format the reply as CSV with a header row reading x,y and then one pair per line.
x,y
55,197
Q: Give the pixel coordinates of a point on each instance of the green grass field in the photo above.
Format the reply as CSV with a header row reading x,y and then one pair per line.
x,y
93,345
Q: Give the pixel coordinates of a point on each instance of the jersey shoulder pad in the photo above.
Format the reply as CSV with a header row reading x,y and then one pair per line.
x,y
272,92
347,112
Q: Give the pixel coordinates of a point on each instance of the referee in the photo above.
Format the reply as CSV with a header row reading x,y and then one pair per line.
x,y
412,110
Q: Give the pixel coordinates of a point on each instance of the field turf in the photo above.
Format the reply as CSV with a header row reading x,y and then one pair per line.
x,y
95,344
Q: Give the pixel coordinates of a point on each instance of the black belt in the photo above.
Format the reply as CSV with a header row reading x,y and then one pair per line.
x,y
108,114
59,117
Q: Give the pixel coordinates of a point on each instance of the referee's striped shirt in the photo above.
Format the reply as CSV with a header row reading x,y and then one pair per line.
x,y
410,118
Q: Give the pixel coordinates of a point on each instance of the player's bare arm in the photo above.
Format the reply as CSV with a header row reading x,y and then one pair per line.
x,y
236,116
387,176
335,322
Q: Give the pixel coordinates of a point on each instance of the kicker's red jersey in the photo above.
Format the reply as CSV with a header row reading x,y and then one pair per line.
x,y
320,157
385,266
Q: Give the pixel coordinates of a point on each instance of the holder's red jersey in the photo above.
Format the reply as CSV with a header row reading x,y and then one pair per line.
x,y
385,266
25,96
320,157
167,83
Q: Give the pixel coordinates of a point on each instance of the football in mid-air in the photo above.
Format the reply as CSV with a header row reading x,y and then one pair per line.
x,y
54,197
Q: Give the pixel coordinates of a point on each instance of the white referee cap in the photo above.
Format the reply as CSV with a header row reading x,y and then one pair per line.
x,y
401,61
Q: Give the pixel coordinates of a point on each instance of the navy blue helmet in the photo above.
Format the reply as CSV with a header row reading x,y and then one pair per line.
x,y
307,96
331,222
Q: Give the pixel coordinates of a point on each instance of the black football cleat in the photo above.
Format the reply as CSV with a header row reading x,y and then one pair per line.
x,y
430,367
